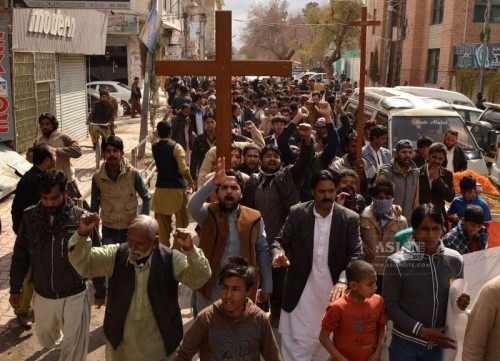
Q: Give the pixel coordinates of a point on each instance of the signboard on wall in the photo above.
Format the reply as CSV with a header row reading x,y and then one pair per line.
x,y
123,24
471,55
6,114
74,4
60,30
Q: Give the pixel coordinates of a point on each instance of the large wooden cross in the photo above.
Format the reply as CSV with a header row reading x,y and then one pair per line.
x,y
364,23
223,67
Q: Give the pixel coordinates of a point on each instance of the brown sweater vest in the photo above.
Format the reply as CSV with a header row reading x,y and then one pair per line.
x,y
214,235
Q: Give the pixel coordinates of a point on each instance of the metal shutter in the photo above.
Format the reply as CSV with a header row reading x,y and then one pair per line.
x,y
71,95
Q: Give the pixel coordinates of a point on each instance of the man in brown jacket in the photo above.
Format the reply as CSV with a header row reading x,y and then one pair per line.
x,y
62,147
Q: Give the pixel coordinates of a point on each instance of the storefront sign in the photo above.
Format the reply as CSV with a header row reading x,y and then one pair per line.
x,y
51,22
68,31
6,116
123,23
471,55
73,4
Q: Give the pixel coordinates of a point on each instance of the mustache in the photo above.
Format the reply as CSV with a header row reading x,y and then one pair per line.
x,y
327,200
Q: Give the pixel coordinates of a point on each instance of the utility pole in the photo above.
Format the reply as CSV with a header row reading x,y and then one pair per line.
x,y
186,34
486,38
147,90
388,41
203,24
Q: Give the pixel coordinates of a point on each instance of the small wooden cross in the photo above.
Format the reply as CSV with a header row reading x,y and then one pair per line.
x,y
223,67
364,23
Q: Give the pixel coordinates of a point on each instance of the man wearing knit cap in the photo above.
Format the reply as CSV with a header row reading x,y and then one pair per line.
x,y
404,174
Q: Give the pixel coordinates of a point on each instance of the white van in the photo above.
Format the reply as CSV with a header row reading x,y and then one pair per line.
x,y
447,96
410,117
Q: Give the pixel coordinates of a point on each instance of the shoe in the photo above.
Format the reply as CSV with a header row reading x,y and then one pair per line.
x,y
25,321
133,116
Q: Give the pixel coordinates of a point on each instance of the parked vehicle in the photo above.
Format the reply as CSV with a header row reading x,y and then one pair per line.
x,y
408,117
487,130
447,96
495,169
321,76
120,91
469,114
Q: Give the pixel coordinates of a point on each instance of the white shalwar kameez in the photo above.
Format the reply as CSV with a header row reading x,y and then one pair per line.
x,y
300,329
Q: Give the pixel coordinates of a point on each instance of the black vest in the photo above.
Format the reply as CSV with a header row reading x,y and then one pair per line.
x,y
162,293
168,169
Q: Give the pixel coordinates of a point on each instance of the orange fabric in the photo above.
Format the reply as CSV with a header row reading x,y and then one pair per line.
x,y
484,181
494,237
355,325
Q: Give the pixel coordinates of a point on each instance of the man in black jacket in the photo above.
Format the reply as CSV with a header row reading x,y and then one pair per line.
x,y
455,161
61,302
27,195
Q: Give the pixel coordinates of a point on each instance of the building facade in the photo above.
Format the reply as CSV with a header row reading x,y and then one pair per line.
x,y
423,43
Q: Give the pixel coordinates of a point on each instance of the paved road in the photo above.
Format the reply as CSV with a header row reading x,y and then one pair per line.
x,y
17,344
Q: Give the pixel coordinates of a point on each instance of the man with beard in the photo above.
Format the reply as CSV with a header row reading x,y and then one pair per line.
x,y
273,191
61,302
436,182
228,228
251,159
27,195
320,238
456,161
403,173
202,144
365,170
62,147
144,321
114,189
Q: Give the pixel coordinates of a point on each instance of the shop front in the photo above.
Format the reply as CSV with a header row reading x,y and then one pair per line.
x,y
49,67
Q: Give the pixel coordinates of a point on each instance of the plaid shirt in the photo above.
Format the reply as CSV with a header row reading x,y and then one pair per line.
x,y
457,239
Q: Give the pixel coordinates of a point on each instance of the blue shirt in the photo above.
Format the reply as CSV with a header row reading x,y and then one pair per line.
x,y
459,204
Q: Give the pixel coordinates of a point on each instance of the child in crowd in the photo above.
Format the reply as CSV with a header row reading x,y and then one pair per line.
x,y
469,196
470,235
357,319
232,328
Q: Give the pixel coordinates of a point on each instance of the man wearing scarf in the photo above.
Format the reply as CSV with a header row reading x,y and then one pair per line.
x,y
61,302
378,225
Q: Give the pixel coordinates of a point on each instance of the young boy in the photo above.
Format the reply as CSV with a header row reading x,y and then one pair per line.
x,y
232,328
470,235
357,319
469,196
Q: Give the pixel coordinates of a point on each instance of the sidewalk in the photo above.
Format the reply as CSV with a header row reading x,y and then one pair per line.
x,y
17,344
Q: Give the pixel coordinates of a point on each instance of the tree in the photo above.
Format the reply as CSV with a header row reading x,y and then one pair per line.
x,y
374,74
331,30
270,31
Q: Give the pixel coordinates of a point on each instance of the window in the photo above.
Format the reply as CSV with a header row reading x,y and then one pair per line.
x,y
432,66
437,12
480,9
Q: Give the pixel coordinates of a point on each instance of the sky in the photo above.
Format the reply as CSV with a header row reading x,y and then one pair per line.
x,y
240,8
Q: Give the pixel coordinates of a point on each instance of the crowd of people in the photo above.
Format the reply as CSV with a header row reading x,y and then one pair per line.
x,y
300,235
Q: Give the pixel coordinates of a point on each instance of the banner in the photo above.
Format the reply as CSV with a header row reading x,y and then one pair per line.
x,y
471,55
6,113
149,32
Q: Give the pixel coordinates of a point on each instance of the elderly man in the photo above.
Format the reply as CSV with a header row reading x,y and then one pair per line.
x,y
144,320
